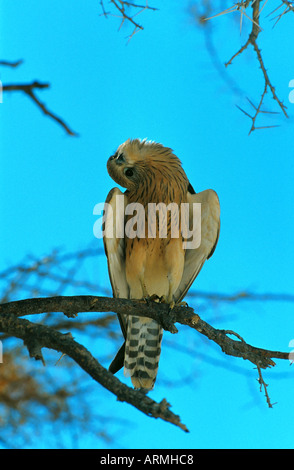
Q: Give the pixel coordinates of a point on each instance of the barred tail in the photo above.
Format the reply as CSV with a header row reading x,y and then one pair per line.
x,y
142,352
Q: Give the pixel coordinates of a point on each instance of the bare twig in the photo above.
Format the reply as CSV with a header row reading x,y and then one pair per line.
x,y
264,385
11,64
124,11
29,90
62,268
243,296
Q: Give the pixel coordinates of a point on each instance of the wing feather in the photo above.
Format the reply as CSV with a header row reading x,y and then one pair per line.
x,y
114,247
113,244
210,226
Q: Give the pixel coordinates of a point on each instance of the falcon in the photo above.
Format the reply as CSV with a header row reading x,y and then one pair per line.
x,y
149,259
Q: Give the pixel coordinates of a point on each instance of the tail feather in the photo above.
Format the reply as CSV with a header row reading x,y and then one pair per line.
x,y
143,347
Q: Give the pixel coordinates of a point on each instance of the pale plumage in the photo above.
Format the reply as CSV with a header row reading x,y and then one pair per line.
x,y
152,262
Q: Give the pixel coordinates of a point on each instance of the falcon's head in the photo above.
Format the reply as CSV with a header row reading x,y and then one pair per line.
x,y
137,161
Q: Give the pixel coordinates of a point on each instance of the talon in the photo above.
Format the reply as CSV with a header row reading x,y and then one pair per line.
x,y
152,298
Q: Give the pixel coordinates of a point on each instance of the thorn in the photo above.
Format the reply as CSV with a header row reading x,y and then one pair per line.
x,y
62,355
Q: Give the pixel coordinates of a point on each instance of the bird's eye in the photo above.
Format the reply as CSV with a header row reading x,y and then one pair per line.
x,y
129,172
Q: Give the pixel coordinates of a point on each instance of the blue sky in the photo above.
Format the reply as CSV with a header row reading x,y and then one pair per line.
x,y
161,85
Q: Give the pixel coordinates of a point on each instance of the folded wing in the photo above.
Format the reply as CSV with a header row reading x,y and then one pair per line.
x,y
114,245
209,217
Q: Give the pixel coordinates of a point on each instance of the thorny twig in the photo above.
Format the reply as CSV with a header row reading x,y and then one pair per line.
x,y
289,7
124,10
264,385
252,40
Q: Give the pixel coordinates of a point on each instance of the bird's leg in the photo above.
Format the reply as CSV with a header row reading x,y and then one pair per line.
x,y
146,296
144,290
168,318
171,305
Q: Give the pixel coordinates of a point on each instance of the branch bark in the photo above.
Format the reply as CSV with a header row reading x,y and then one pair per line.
x,y
36,336
72,305
47,337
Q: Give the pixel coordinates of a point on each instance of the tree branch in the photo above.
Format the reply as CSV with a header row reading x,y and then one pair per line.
x,y
44,336
29,90
37,336
71,305
7,63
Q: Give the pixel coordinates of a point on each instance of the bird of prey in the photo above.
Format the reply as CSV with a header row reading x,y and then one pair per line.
x,y
146,261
